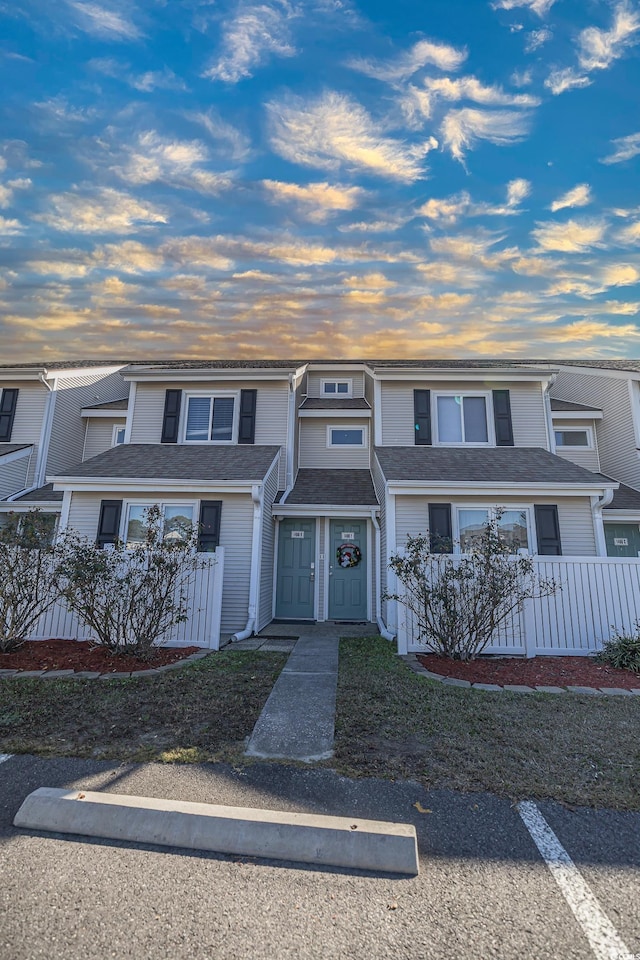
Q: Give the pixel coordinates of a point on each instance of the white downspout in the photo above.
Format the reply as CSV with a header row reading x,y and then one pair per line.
x,y
254,582
381,624
551,436
45,433
597,504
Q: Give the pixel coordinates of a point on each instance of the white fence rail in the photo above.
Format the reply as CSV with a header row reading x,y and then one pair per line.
x,y
597,595
201,629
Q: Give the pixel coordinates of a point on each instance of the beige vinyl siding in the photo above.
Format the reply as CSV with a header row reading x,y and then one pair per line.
x,y
580,455
315,452
13,476
265,603
379,487
236,531
271,410
99,435
314,382
574,515
616,431
68,428
30,413
527,409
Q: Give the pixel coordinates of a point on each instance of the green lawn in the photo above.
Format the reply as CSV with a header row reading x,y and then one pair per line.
x,y
392,723
201,712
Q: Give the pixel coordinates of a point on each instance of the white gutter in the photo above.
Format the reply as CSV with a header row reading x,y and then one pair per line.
x,y
597,504
381,624
551,437
254,582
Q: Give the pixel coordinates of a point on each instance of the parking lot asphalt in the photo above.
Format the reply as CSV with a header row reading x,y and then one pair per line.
x,y
484,889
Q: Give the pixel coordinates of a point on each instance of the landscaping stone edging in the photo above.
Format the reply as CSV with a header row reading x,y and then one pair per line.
x,y
91,675
414,664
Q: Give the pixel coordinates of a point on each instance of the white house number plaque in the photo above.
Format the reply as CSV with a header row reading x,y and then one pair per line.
x,y
348,535
297,534
620,542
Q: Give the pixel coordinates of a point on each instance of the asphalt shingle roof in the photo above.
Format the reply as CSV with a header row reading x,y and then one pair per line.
x,y
625,498
345,487
6,448
172,461
568,406
480,465
335,403
121,404
46,493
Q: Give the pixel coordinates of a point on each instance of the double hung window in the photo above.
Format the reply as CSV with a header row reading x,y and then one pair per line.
x,y
177,522
211,419
512,527
462,419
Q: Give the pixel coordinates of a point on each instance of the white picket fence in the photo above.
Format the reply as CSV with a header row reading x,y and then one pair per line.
x,y
597,595
201,629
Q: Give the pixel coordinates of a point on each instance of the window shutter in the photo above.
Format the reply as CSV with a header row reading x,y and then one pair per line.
x,y
8,403
440,531
548,530
209,525
502,418
171,419
247,430
422,416
109,523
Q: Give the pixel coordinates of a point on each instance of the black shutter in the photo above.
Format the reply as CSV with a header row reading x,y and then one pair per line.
x,y
247,430
109,523
548,530
440,531
422,416
8,403
502,418
171,419
209,525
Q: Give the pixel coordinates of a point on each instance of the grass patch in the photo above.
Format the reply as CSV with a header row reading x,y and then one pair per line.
x,y
202,712
392,723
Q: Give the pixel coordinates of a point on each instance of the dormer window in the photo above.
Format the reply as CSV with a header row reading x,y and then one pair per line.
x,y
462,419
337,388
211,418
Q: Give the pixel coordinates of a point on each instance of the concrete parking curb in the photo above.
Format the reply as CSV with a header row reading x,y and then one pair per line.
x,y
95,675
306,838
414,664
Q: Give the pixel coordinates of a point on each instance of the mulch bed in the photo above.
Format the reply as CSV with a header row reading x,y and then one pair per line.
x,y
80,655
533,672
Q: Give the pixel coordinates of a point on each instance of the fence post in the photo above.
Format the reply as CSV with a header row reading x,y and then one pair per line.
x,y
217,569
529,627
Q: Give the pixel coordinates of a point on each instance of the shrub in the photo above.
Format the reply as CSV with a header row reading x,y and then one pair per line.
x,y
28,581
130,598
622,650
459,602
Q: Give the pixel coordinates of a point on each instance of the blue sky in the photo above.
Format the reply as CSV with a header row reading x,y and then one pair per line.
x,y
312,178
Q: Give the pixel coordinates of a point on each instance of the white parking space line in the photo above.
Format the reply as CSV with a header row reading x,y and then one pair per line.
x,y
5,756
596,926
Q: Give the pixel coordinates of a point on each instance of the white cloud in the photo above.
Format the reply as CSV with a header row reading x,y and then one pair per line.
x,y
570,237
424,52
10,227
470,88
597,49
559,81
541,7
462,128
103,21
101,211
256,31
335,131
521,78
130,256
164,79
232,142
175,162
450,210
537,39
315,201
630,234
579,196
626,148
8,189
620,275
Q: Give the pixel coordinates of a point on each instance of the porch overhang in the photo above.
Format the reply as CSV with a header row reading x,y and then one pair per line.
x,y
323,510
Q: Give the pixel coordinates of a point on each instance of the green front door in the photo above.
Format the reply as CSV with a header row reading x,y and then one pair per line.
x,y
295,593
348,584
623,539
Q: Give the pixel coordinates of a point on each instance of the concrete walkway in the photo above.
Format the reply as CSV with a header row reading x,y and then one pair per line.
x,y
297,721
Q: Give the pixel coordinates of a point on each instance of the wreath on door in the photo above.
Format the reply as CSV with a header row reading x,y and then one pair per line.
x,y
348,555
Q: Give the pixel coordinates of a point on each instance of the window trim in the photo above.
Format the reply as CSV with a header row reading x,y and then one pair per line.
x,y
212,395
347,446
561,446
117,427
127,504
492,510
348,381
488,407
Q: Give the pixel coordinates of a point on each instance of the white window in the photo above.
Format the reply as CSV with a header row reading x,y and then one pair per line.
x,y
513,527
211,418
337,388
462,419
118,435
177,522
346,436
574,437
